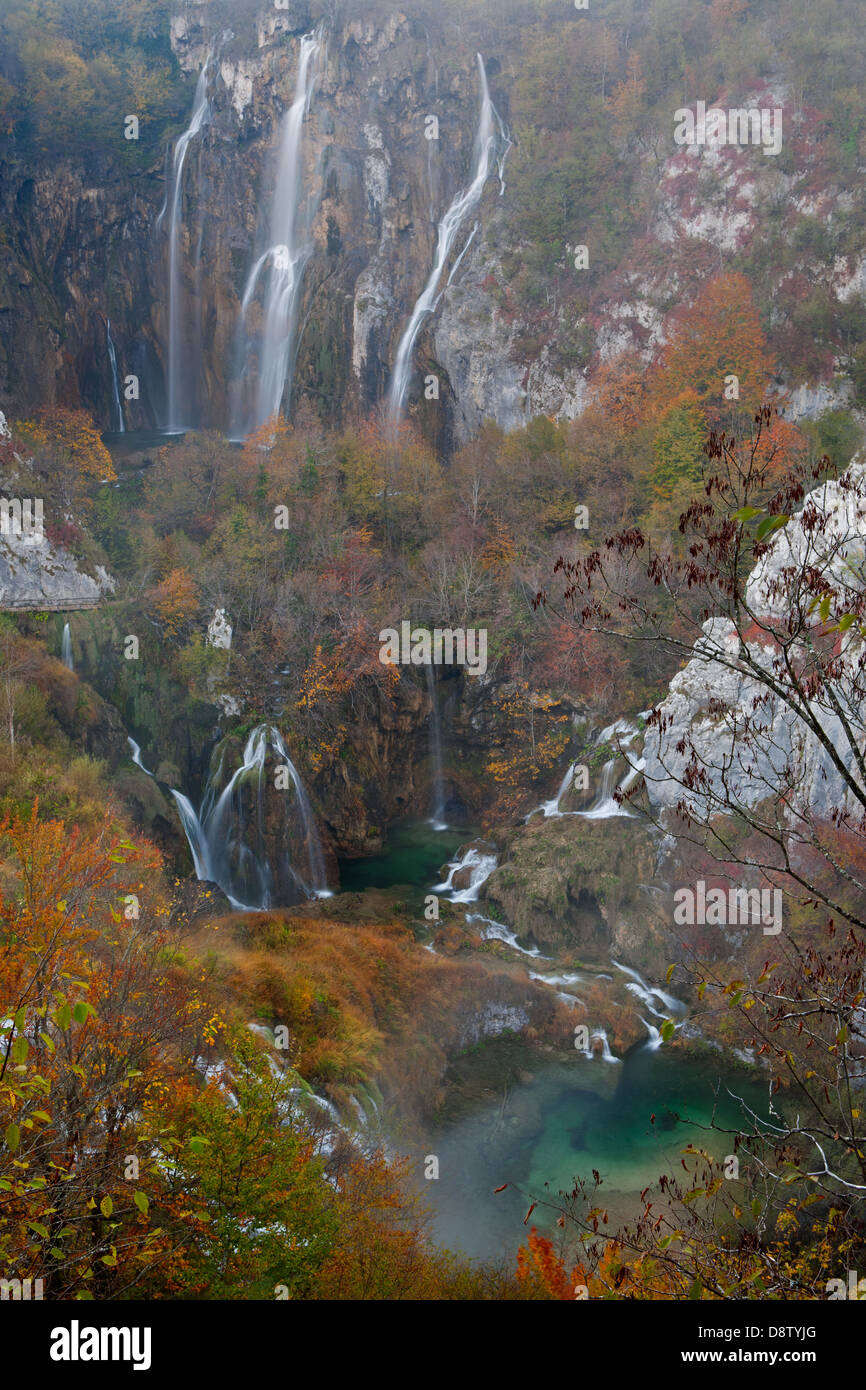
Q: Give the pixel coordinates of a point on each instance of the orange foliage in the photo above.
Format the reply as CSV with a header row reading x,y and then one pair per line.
x,y
499,551
358,999
72,433
621,391
175,600
717,335
538,1264
91,1017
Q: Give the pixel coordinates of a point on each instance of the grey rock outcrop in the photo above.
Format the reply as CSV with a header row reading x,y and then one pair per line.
x,y
752,744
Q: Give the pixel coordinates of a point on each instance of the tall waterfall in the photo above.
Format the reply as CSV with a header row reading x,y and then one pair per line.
x,y
66,648
227,836
201,114
277,275
437,820
489,138
115,382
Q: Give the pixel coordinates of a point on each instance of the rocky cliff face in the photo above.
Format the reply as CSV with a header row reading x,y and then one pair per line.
x,y
83,254
714,698
87,245
34,573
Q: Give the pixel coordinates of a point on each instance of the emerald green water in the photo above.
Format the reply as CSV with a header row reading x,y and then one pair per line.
x,y
557,1129
543,1134
414,854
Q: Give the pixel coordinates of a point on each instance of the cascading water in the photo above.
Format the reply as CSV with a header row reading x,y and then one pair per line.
x,y
605,804
66,648
438,818
489,137
318,876
198,846
598,1046
115,381
136,756
280,269
479,865
497,931
201,114
654,1038
217,834
647,993
551,808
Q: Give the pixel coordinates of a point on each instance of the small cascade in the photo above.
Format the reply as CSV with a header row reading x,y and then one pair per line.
x,y
605,805
490,137
115,380
66,648
437,820
648,993
622,730
198,846
551,808
276,277
569,978
136,756
592,1050
496,931
480,866
177,347
555,981
654,1039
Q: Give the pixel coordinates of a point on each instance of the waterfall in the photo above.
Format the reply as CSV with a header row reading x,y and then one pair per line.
x,y
438,818
217,834
605,804
646,993
654,1039
497,931
480,868
279,271
198,846
115,384
318,876
599,1036
66,648
551,808
490,135
201,114
136,756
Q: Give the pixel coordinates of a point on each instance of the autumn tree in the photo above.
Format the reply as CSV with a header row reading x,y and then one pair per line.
x,y
175,601
92,1015
70,453
714,339
770,586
